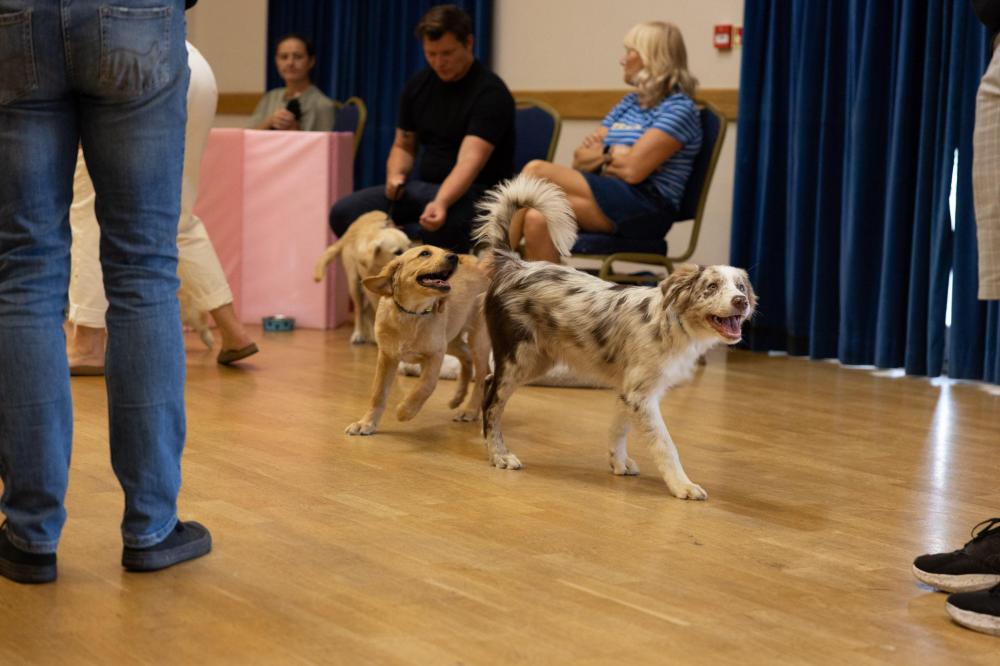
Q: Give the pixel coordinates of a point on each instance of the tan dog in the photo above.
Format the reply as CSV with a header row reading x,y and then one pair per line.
x,y
431,298
366,247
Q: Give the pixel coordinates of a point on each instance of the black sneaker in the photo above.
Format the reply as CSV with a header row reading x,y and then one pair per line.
x,y
977,610
975,567
23,567
188,541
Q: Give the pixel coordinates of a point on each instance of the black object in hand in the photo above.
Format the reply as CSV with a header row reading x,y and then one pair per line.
x,y
296,108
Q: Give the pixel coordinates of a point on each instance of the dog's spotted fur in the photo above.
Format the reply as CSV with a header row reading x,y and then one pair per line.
x,y
642,340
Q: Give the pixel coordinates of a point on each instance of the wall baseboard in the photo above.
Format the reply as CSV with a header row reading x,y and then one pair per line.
x,y
571,104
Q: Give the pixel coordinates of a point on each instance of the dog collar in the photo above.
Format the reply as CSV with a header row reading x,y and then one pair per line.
x,y
428,311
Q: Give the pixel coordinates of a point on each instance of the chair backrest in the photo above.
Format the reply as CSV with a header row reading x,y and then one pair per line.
x,y
713,129
538,126
350,117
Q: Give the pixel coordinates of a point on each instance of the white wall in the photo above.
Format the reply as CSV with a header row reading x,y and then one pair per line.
x,y
232,35
576,44
538,44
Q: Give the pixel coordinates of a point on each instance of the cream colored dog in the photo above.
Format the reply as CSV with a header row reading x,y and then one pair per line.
x,y
432,300
366,247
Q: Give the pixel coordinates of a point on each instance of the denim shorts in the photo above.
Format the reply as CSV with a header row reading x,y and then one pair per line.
x,y
635,211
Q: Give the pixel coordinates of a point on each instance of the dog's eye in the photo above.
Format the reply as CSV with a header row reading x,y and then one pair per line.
x,y
398,252
425,253
712,286
742,287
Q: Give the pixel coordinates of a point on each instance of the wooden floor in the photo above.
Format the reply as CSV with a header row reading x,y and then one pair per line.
x,y
407,547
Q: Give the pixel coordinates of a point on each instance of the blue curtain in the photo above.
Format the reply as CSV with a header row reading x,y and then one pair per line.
x,y
850,116
361,51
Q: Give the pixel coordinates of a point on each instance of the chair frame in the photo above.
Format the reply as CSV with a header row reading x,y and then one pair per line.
x,y
362,117
607,272
549,109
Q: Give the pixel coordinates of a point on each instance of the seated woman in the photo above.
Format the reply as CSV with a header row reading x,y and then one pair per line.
x,y
628,176
299,105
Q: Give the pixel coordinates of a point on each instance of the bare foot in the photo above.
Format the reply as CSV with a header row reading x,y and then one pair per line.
x,y
234,336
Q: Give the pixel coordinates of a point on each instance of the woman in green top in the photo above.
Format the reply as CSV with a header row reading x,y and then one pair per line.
x,y
294,57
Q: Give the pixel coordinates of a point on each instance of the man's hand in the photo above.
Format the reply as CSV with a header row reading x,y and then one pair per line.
x,y
433,216
394,187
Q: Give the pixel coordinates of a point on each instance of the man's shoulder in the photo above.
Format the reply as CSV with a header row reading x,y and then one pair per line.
x,y
491,79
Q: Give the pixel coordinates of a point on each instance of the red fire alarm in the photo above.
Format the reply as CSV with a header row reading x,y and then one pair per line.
x,y
723,39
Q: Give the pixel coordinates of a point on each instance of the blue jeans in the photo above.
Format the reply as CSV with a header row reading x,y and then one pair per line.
x,y
113,78
455,234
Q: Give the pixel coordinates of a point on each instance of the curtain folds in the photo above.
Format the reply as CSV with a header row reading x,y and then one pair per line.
x,y
366,48
851,114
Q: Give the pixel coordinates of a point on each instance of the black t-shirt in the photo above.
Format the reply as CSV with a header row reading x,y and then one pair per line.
x,y
988,12
442,114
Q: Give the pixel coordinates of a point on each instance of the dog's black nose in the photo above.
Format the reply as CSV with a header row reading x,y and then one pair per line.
x,y
740,302
451,258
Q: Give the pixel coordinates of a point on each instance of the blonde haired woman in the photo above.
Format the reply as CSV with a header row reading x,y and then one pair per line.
x,y
628,176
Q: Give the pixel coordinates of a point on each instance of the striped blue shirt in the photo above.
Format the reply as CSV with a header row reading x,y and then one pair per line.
x,y
678,117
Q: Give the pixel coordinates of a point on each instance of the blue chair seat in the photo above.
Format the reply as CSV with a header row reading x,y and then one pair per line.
x,y
604,244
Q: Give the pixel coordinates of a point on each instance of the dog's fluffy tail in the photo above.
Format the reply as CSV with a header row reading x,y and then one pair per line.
x,y
331,253
499,205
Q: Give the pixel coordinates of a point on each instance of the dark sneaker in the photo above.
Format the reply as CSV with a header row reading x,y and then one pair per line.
x,y
975,567
188,541
977,610
23,567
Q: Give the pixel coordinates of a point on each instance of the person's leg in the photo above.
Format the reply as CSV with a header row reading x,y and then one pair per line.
x,y
354,205
86,336
986,178
537,242
198,265
132,123
38,141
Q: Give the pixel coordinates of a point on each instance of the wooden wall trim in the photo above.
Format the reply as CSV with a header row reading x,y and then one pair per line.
x,y
571,104
238,104
595,104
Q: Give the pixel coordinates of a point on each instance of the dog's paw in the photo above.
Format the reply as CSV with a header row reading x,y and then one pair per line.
x,y
626,467
360,428
688,491
406,411
465,415
505,461
358,338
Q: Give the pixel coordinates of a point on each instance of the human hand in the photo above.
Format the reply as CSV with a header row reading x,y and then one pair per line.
x,y
433,216
394,186
283,119
594,139
619,150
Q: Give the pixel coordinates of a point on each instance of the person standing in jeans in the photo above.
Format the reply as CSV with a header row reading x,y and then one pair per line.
x,y
112,79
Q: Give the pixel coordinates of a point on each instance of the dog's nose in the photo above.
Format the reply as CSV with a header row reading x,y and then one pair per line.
x,y
740,302
451,258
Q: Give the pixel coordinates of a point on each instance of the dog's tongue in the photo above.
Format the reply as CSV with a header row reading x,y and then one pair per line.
x,y
441,284
732,325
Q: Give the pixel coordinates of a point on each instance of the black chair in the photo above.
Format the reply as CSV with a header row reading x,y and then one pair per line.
x,y
538,126
607,249
350,117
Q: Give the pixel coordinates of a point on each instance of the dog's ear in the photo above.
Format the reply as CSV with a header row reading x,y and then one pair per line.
x,y
678,287
751,294
381,284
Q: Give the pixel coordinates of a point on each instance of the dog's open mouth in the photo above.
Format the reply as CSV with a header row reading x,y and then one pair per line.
x,y
728,327
437,280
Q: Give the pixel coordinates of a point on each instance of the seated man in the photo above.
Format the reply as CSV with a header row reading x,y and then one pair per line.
x,y
462,117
